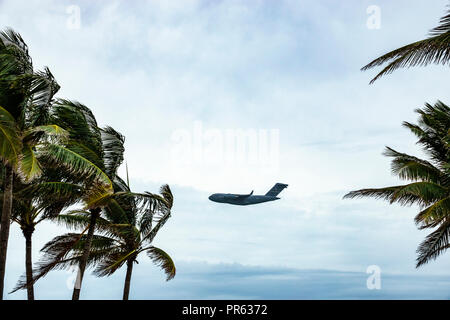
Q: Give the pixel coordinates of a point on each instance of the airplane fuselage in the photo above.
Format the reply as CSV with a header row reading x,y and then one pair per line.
x,y
239,199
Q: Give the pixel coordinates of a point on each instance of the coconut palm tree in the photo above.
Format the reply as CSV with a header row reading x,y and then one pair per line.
x,y
434,49
430,180
131,232
131,229
30,209
103,148
25,135
28,137
126,229
15,64
27,216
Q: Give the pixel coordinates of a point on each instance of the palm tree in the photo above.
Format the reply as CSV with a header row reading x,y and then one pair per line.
x,y
434,49
28,139
430,180
24,137
27,216
130,231
30,209
125,230
103,148
15,63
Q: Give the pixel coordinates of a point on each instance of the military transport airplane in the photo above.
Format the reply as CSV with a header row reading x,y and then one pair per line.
x,y
246,199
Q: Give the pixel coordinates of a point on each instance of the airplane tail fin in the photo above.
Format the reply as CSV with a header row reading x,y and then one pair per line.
x,y
276,189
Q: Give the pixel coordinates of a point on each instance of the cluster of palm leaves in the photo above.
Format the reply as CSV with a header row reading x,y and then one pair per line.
x,y
430,179
54,158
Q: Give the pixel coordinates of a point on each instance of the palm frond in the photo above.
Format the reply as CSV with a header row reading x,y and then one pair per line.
x,y
14,42
411,168
43,88
29,166
71,221
443,27
120,185
81,124
80,219
434,244
150,234
162,259
49,189
145,222
422,193
51,130
167,195
77,164
51,197
65,251
112,262
115,212
10,142
54,258
435,49
432,130
146,200
434,214
97,197
431,191
11,37
113,150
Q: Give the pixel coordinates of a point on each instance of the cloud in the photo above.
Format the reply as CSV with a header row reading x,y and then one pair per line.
x,y
197,280
152,68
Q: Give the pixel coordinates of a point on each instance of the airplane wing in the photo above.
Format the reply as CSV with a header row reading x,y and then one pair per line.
x,y
243,196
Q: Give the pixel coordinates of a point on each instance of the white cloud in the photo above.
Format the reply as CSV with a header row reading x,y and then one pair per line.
x,y
151,68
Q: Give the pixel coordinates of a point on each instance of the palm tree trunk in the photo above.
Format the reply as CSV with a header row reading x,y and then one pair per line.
x,y
5,222
126,289
95,213
28,233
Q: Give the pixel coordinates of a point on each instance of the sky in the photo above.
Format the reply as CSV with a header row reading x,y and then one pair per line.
x,y
234,96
